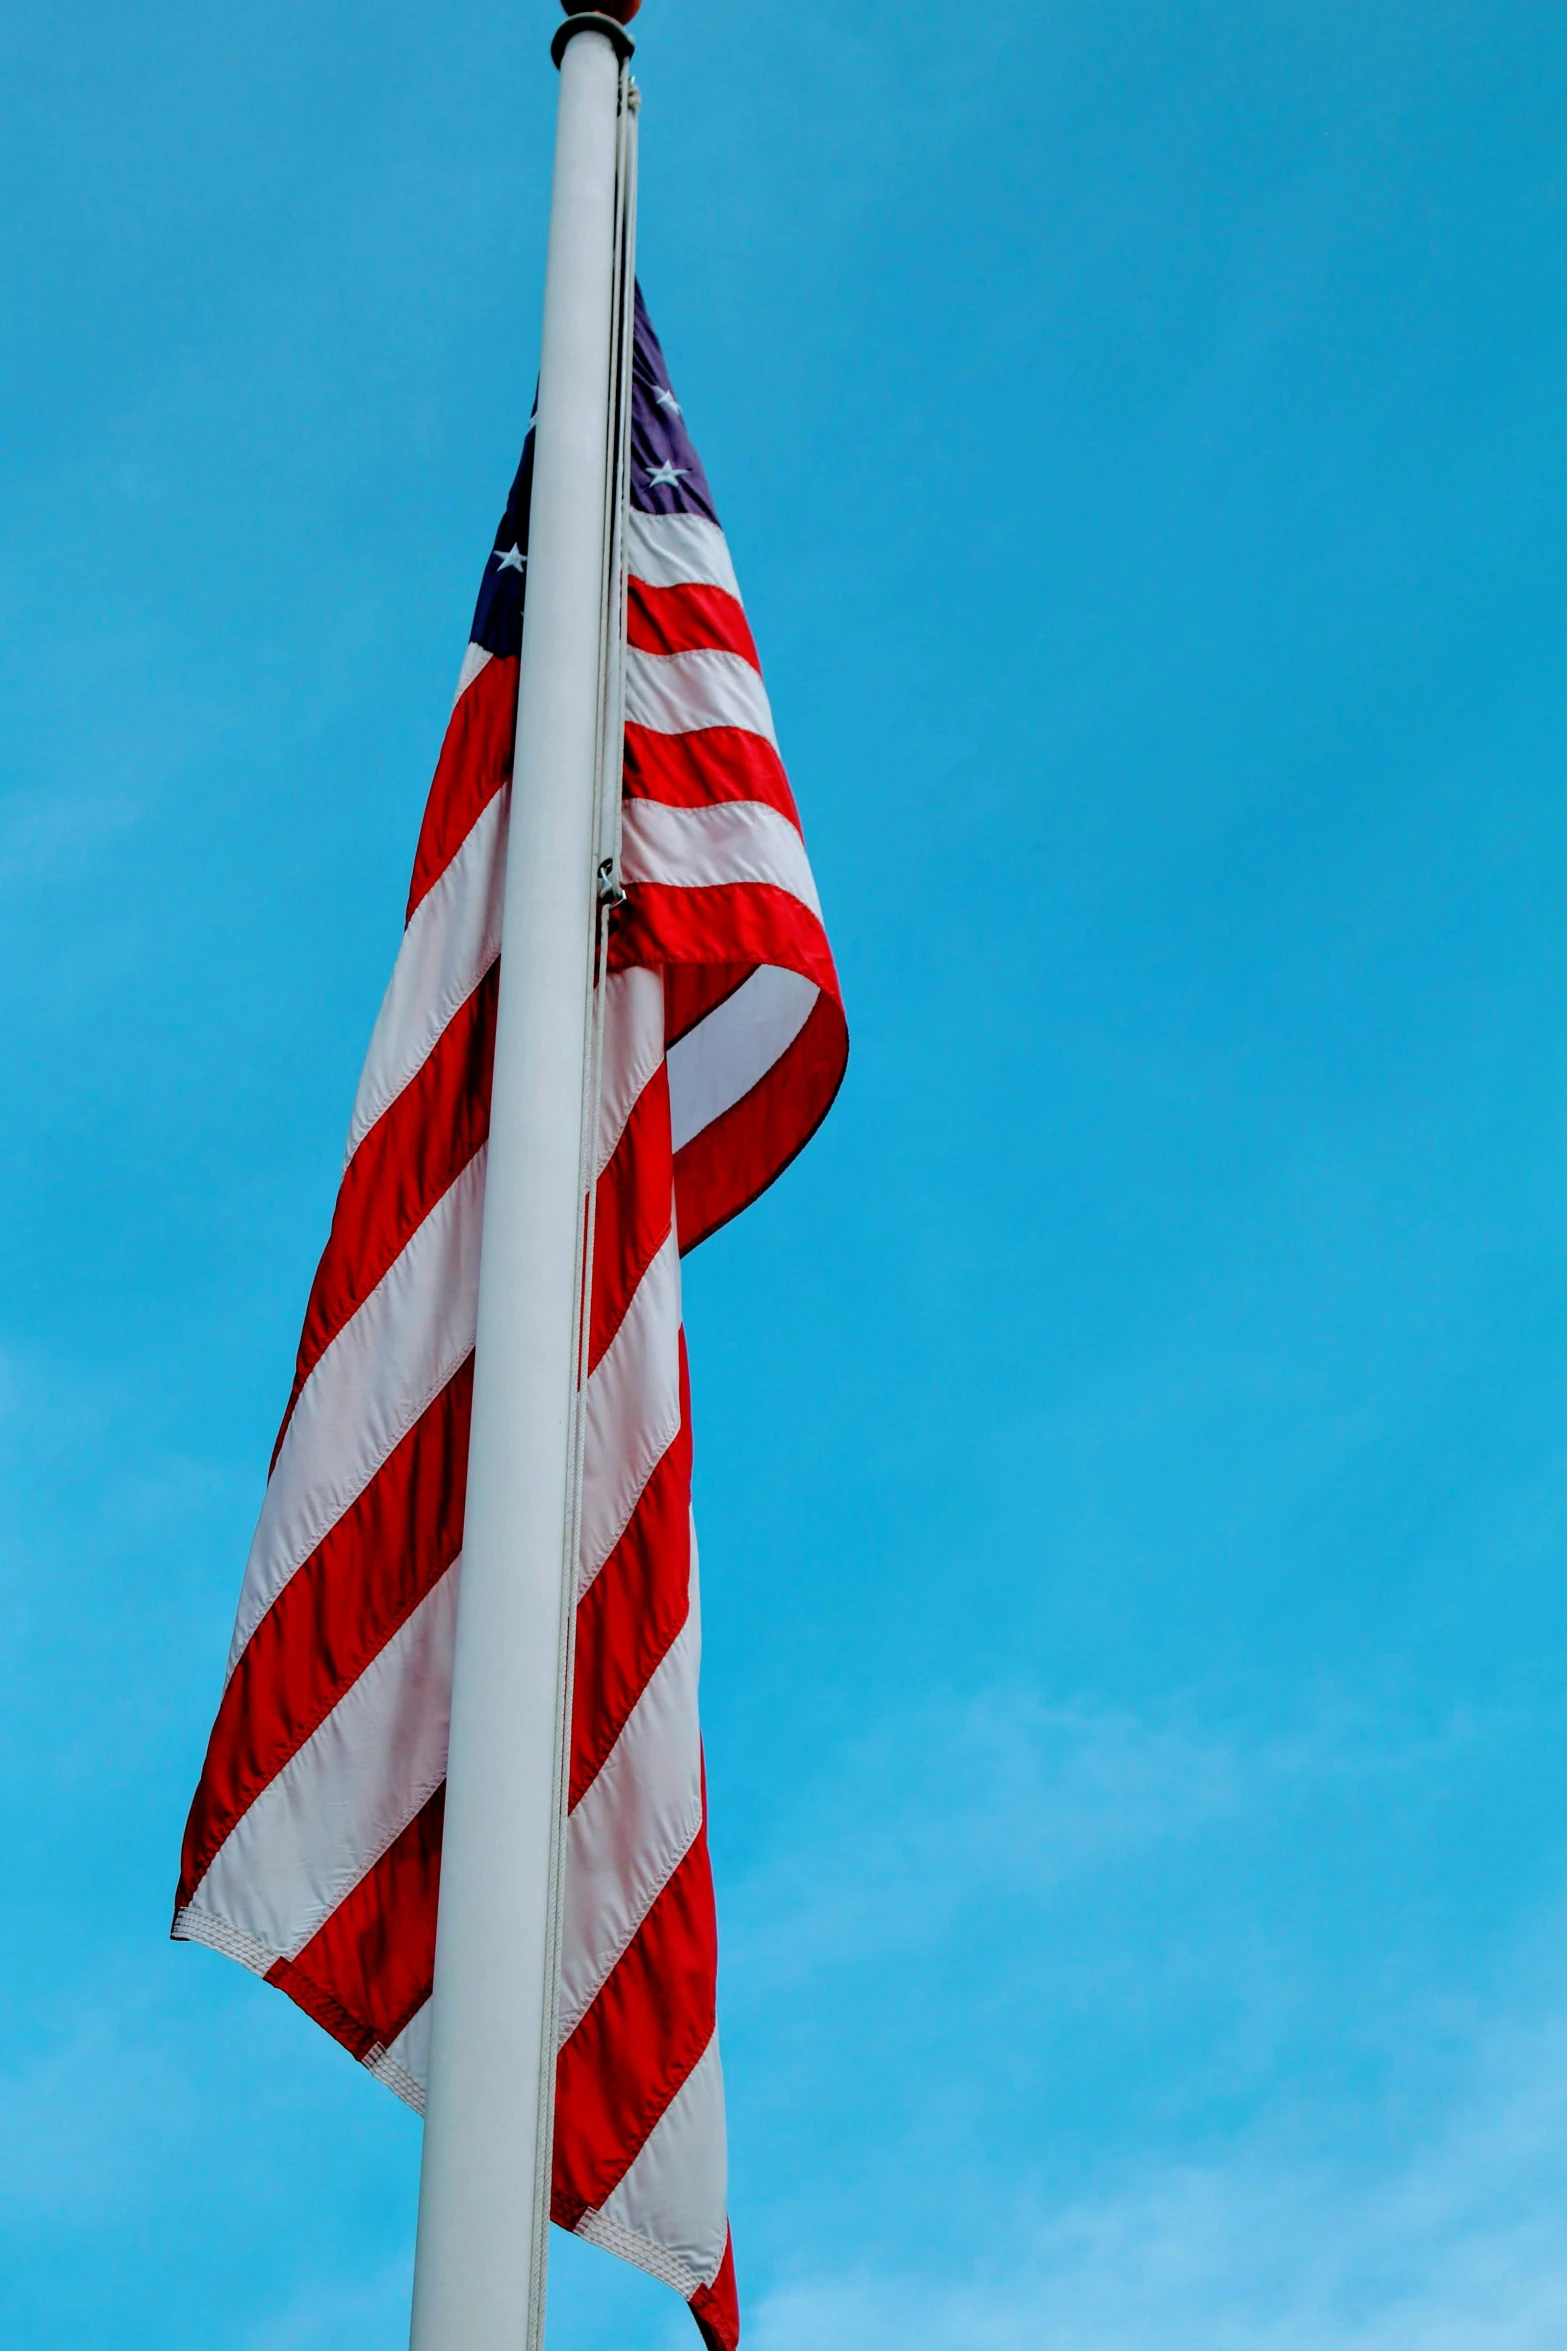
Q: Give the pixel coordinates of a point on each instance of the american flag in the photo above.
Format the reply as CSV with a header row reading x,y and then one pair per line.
x,y
313,1848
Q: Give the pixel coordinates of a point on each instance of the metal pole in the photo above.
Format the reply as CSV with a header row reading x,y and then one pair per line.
x,y
480,2266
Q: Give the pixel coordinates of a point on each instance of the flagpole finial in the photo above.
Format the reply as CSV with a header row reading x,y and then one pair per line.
x,y
611,20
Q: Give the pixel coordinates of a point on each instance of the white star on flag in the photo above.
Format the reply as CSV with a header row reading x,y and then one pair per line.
x,y
667,400
670,475
512,560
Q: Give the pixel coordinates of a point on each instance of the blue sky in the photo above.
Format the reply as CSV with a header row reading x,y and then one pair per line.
x,y
1132,1442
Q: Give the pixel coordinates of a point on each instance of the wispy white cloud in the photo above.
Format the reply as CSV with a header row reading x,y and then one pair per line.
x,y
1002,1794
1339,2149
1456,2245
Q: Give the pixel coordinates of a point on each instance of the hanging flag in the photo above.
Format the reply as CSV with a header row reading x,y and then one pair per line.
x,y
312,1852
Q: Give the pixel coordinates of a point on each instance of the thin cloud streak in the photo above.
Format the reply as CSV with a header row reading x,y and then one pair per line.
x,y
1293,2128
1457,2247
1005,1794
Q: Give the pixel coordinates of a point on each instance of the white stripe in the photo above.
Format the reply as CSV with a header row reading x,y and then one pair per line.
x,y
680,693
633,1049
716,1064
387,1364
679,551
476,658
348,1794
705,848
454,937
404,2064
675,2195
634,1826
633,1409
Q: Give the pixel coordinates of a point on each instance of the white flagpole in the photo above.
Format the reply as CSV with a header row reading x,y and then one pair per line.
x,y
480,2267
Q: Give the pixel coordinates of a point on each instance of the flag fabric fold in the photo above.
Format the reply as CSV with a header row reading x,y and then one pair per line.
x,y
312,1852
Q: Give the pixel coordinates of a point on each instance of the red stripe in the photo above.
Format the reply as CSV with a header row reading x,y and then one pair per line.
x,y
687,619
634,1608
693,990
642,2037
372,1965
411,1157
716,2308
475,763
390,1547
736,1156
708,765
729,922
634,1203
